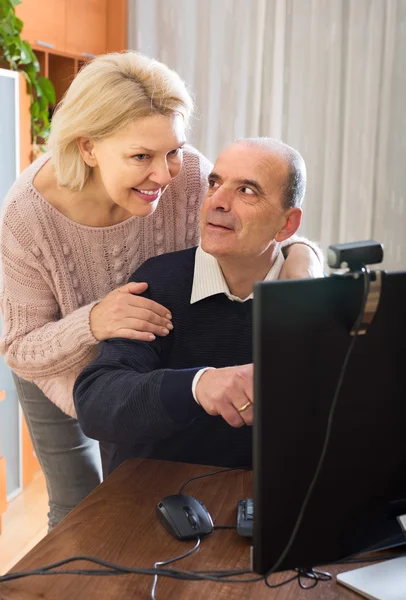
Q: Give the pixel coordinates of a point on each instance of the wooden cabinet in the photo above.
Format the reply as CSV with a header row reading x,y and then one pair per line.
x,y
76,27
25,125
44,22
86,27
77,30
117,25
61,71
72,26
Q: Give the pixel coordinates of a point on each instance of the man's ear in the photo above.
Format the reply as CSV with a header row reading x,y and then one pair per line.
x,y
293,218
86,149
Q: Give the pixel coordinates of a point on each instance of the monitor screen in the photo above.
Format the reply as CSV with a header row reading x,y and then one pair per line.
x,y
301,334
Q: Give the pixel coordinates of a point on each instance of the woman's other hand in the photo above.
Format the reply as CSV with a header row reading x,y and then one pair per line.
x,y
123,313
302,262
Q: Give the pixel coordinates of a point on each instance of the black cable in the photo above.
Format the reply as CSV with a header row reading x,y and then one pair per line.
x,y
314,575
227,576
185,483
114,569
297,577
327,434
224,573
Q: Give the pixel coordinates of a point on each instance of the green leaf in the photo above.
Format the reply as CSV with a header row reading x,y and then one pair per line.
x,y
38,89
18,25
13,45
18,55
7,28
45,119
47,89
35,62
5,9
26,53
36,129
31,72
28,80
9,23
30,51
33,59
38,126
43,103
34,110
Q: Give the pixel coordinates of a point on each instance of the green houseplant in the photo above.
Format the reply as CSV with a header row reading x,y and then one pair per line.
x,y
19,56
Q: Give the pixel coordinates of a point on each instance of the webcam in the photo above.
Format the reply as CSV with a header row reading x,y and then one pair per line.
x,y
355,255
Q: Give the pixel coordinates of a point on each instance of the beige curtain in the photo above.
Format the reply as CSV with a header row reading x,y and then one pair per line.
x,y
327,76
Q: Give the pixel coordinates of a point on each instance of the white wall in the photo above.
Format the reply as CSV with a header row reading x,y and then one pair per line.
x,y
327,76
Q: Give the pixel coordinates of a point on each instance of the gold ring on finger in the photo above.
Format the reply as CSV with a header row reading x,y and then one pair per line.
x,y
240,410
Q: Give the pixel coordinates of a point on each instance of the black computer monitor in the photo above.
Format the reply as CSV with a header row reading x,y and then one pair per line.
x,y
301,336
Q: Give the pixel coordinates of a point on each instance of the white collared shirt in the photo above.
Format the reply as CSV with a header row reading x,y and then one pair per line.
x,y
208,280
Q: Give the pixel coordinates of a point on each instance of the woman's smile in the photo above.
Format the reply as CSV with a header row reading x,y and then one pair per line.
x,y
147,195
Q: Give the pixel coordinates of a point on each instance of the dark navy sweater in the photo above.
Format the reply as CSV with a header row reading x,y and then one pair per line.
x,y
138,395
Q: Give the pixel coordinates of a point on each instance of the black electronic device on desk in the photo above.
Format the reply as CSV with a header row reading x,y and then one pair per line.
x,y
329,457
245,517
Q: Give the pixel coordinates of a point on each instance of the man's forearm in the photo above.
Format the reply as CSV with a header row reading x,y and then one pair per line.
x,y
122,405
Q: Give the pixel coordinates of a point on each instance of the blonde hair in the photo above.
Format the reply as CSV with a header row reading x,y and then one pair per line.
x,y
108,93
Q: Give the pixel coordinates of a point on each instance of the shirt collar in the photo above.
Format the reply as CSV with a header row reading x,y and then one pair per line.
x,y
208,279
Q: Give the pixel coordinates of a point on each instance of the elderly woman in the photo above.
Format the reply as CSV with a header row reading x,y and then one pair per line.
x,y
117,187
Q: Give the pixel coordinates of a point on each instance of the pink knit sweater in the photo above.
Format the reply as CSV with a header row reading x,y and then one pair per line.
x,y
55,270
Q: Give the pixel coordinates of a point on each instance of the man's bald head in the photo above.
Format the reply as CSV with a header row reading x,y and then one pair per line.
x,y
294,187
253,200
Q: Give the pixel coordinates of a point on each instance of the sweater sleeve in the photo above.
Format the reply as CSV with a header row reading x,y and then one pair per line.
x,y
296,239
36,342
125,396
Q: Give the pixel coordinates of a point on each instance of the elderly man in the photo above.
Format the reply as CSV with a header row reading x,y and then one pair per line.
x,y
189,396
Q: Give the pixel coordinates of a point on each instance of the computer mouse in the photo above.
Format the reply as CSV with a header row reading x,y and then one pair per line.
x,y
184,517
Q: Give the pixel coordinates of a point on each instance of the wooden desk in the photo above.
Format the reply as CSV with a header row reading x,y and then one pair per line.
x,y
117,523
